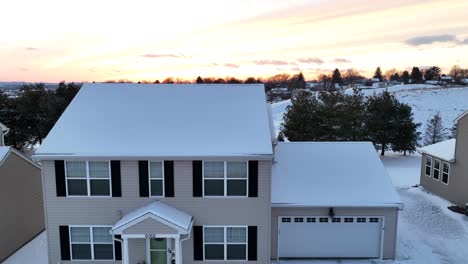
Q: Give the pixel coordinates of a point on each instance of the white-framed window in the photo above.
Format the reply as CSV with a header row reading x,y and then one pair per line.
x,y
445,172
225,178
225,242
428,166
436,169
88,178
156,178
91,243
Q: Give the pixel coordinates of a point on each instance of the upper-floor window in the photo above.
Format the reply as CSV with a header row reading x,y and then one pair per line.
x,y
445,172
428,165
88,178
436,169
225,178
156,184
91,243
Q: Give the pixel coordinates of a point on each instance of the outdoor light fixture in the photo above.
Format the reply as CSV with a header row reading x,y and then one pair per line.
x,y
331,212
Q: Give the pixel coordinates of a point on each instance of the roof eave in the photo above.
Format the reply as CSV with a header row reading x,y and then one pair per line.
x,y
40,157
398,205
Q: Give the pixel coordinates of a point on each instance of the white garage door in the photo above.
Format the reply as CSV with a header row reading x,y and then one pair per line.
x,y
325,237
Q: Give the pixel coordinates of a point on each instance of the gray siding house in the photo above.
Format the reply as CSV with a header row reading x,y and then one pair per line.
x,y
183,174
444,166
21,202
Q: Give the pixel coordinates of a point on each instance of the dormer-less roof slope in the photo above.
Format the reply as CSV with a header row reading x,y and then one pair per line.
x,y
444,150
330,174
162,121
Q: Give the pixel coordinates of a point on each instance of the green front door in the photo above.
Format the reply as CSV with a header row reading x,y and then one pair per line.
x,y
158,251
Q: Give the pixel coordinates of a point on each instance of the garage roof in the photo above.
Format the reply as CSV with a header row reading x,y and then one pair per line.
x,y
331,174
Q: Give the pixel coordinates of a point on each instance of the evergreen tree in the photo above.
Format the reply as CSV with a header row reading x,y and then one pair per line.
x,y
381,123
435,131
353,123
300,119
300,81
331,113
336,77
416,75
378,74
453,131
395,77
405,77
280,137
199,80
407,136
433,73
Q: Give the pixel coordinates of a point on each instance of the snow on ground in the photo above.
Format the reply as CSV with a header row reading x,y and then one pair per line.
x,y
426,100
33,252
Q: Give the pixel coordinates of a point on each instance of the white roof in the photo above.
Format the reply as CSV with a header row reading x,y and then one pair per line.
x,y
163,211
330,174
162,120
444,150
3,153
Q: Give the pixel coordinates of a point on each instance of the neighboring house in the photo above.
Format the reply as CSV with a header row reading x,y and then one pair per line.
x,y
444,166
21,202
149,173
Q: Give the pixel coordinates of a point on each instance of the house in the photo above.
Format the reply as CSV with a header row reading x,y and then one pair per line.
x,y
444,166
21,203
464,81
192,172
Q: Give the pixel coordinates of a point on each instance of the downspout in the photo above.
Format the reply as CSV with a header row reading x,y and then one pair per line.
x,y
183,239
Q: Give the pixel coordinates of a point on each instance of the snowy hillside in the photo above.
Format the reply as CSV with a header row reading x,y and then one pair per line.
x,y
425,100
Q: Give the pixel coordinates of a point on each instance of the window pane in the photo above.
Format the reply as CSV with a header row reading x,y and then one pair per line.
x,y
100,187
102,235
81,251
436,164
428,161
214,187
77,187
156,170
214,169
156,187
428,170
236,234
445,177
236,252
104,251
236,169
80,234
445,167
237,187
158,243
214,235
99,170
213,252
158,256
76,169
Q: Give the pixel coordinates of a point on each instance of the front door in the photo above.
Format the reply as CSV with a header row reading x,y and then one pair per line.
x,y
158,251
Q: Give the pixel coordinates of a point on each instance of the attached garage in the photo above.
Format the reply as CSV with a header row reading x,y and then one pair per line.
x,y
332,200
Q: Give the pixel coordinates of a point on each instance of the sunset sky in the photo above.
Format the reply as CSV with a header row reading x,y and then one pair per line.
x,y
99,40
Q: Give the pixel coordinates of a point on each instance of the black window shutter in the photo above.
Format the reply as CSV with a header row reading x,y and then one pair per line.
x,y
198,243
253,178
64,242
197,178
252,241
116,179
60,184
143,173
169,178
118,247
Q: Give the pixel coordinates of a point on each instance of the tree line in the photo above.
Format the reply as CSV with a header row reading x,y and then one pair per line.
x,y
32,114
336,116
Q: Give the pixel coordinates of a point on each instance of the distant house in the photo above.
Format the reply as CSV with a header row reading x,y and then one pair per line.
x,y
432,82
464,81
21,204
446,80
279,91
444,167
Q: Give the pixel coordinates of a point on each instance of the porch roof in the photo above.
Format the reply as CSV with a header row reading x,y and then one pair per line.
x,y
169,214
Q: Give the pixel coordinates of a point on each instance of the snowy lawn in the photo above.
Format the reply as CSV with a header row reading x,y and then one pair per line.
x,y
428,233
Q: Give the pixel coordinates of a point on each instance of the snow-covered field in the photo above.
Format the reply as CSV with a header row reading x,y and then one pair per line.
x,y
426,100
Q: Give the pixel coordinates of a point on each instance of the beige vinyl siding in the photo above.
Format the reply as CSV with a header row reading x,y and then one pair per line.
x,y
21,204
149,224
137,249
456,190
206,211
390,215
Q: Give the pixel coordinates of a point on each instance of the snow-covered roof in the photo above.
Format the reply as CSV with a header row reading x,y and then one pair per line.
x,y
160,210
3,127
3,153
162,121
330,174
444,150
460,116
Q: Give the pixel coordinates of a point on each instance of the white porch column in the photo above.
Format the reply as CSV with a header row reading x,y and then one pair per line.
x,y
178,255
125,251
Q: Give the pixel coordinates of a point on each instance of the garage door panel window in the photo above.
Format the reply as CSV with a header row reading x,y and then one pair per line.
x,y
323,219
286,220
373,220
349,220
445,172
336,220
225,243
298,220
361,220
428,166
436,169
311,219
